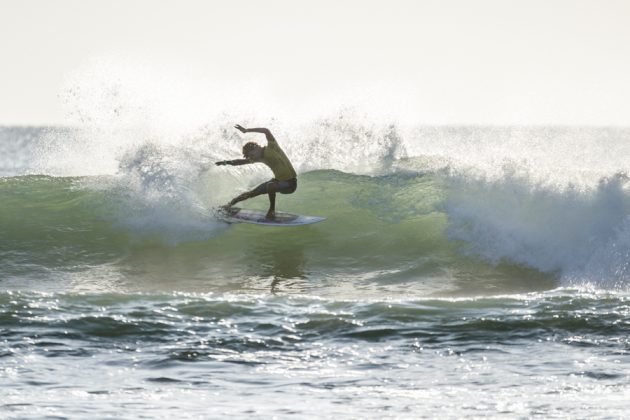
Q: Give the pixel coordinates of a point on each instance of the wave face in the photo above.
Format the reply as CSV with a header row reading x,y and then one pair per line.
x,y
450,210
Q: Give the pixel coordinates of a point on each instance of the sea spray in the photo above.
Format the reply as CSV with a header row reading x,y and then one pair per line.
x,y
572,231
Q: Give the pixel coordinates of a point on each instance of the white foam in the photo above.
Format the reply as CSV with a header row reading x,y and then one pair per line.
x,y
582,234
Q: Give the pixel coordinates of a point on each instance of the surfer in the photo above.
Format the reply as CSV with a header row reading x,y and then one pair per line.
x,y
285,178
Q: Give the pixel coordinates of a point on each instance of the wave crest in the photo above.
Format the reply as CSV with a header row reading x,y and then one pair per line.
x,y
581,233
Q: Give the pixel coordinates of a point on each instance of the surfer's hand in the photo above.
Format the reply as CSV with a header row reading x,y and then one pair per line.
x,y
221,163
240,128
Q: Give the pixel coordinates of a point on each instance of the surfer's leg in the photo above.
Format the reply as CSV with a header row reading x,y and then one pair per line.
x,y
283,187
271,213
259,190
242,197
270,188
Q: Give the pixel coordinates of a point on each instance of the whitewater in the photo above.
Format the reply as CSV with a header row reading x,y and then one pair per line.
x,y
462,270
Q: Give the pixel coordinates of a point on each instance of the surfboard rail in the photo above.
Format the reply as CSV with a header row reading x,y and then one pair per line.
x,y
258,217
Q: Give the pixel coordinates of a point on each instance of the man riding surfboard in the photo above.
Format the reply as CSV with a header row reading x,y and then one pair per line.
x,y
285,177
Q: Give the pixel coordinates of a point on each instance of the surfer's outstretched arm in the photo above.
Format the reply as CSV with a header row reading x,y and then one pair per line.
x,y
235,162
264,131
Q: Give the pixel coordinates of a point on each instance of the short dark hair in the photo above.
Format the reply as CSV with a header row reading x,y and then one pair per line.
x,y
248,147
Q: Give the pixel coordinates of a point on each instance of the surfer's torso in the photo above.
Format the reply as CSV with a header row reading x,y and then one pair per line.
x,y
274,157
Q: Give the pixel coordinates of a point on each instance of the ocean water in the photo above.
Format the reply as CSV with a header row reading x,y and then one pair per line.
x,y
461,271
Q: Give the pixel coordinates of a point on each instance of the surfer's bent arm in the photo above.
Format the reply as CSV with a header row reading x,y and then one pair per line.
x,y
235,162
265,131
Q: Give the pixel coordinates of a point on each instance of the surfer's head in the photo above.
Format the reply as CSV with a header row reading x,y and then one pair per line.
x,y
252,150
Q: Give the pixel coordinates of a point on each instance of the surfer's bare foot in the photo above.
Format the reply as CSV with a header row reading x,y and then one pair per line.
x,y
225,208
270,215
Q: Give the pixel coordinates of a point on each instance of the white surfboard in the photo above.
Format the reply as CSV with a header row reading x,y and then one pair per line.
x,y
257,217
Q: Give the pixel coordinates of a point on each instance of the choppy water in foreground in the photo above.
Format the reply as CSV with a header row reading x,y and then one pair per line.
x,y
437,286
555,354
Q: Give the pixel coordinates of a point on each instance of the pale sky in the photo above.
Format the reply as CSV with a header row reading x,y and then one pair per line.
x,y
449,61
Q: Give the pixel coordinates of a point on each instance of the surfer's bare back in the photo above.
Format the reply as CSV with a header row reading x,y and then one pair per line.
x,y
285,177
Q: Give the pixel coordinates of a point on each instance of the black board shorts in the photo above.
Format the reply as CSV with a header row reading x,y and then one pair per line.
x,y
283,187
